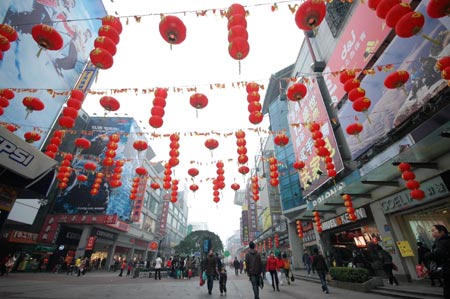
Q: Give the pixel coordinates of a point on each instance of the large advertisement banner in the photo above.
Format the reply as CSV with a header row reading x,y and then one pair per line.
x,y
390,108
29,75
76,198
362,37
312,109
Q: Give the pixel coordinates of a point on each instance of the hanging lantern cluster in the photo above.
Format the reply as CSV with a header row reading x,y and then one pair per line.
x,y
32,136
277,241
443,66
299,165
116,176
105,45
211,144
64,171
438,8
6,95
281,139
70,113
32,104
198,101
317,221
296,92
97,183
299,228
349,207
321,149
110,153
174,193
55,141
172,30
167,176
355,93
273,166
134,188
193,172
269,241
310,15
219,181
410,178
174,153
157,112
241,148
109,104
7,36
265,245
255,188
254,105
238,46
46,37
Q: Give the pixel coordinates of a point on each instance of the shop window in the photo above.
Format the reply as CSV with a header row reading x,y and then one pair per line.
x,y
336,13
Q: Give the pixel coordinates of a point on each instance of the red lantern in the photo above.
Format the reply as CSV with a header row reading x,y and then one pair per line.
x,y
74,103
82,143
47,37
236,20
410,24
9,32
110,33
198,101
310,14
396,12
155,186
235,186
109,103
90,166
296,92
238,48
412,184
70,112
4,44
242,159
384,6
211,144
356,93
239,134
4,103
11,127
417,194
31,137
113,22
254,107
281,139
256,117
396,79
172,30
438,8
101,58
243,169
193,187
408,175
299,165
156,121
346,75
82,178
77,94
236,9
106,43
32,104
141,171
108,161
351,84
361,104
66,122
7,93
140,145
372,4
237,31
354,128
193,172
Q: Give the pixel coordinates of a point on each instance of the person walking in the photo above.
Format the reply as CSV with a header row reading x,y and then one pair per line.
x,y
223,281
254,268
287,268
306,261
386,259
236,266
272,268
210,267
440,255
319,264
158,265
123,266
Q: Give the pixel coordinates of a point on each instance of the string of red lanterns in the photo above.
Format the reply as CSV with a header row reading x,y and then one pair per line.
x,y
254,105
411,183
157,111
105,45
273,166
238,46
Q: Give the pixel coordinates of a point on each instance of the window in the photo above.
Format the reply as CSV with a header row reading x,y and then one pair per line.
x,y
336,14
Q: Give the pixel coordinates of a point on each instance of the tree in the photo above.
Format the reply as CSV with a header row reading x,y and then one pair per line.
x,y
194,242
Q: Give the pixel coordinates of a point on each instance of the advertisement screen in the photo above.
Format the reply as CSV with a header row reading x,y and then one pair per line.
x,y
312,108
390,108
76,198
51,74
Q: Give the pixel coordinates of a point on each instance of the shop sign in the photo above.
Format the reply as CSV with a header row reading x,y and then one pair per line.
x,y
343,219
73,236
327,194
309,236
434,188
90,243
103,234
119,225
17,236
140,243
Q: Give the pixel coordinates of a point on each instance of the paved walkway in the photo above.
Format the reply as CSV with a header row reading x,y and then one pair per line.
x,y
109,285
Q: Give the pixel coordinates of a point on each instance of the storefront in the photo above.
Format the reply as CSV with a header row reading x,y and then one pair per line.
x,y
104,241
342,239
309,237
411,220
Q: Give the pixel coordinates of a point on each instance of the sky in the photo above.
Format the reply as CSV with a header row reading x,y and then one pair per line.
x,y
145,61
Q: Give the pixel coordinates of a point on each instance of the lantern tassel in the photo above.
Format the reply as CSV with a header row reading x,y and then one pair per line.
x,y
196,113
367,116
39,52
239,67
431,39
359,139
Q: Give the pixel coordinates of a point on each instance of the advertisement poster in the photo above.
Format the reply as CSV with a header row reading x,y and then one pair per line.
x,y
51,75
390,108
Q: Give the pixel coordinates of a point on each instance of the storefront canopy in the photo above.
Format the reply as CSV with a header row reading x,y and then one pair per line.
x,y
23,166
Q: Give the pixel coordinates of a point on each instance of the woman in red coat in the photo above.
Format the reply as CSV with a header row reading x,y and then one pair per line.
x,y
272,268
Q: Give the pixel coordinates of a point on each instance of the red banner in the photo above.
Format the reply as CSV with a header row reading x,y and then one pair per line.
x,y
90,243
17,236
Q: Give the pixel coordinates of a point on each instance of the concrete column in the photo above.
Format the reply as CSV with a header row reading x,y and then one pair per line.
x,y
110,258
296,246
81,249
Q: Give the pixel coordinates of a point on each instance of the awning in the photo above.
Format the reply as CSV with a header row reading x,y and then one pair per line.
x,y
23,166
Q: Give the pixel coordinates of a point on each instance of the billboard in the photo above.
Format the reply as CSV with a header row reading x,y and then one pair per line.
x,y
51,75
312,108
76,198
390,108
360,40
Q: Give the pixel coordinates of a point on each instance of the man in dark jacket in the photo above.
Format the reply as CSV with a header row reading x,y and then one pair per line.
x,y
319,264
210,267
254,268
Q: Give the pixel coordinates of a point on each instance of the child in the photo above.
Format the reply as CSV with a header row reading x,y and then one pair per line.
x,y
223,281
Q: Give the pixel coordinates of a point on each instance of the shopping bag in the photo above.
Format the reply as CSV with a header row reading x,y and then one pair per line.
x,y
292,277
280,278
420,271
268,278
202,281
329,277
205,277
